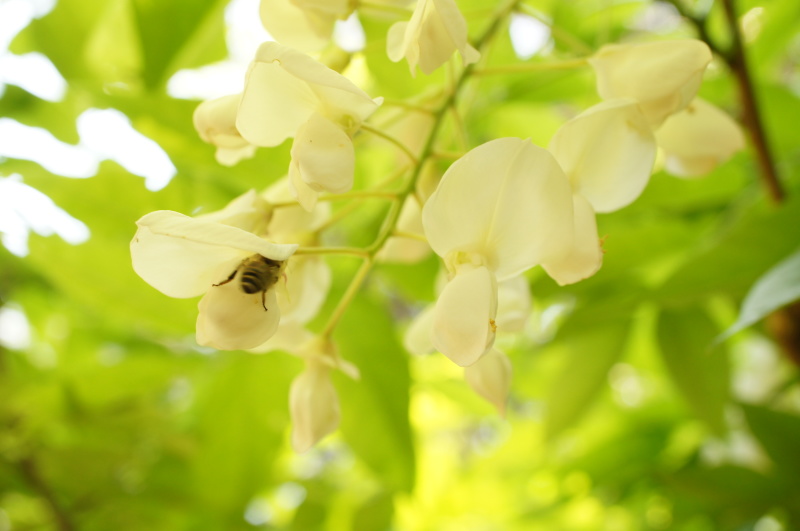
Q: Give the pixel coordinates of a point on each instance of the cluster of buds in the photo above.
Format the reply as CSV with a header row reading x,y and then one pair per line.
x,y
499,210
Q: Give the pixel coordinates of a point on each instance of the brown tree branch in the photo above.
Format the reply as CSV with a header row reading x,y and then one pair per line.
x,y
750,114
30,471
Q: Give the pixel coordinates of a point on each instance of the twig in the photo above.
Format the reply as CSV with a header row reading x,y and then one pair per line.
x,y
30,472
751,116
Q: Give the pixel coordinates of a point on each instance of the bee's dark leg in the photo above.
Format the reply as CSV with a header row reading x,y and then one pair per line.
x,y
228,279
264,300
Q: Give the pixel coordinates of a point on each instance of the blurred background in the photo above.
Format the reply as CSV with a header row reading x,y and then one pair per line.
x,y
624,413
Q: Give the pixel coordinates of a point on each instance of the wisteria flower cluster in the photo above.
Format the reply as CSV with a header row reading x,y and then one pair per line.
x,y
500,209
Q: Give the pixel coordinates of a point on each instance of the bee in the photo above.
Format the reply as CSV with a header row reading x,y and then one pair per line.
x,y
258,274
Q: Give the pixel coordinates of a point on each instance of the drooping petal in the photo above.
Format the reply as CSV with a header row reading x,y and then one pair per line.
x,y
417,338
506,200
293,26
333,94
586,255
305,195
490,377
314,406
513,304
215,122
436,30
324,155
308,279
463,321
607,153
181,256
698,139
663,76
230,319
274,103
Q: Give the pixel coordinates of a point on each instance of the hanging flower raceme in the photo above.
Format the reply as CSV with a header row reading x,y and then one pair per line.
x,y
607,152
502,208
436,30
236,271
662,76
215,122
303,24
290,95
698,139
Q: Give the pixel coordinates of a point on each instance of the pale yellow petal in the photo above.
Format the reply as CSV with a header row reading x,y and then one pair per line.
x,y
490,377
324,155
230,319
333,94
308,279
463,322
274,104
513,304
663,76
181,256
506,200
292,26
417,338
698,139
586,256
314,406
607,152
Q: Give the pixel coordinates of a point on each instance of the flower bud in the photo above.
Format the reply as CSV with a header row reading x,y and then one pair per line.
x,y
314,406
490,377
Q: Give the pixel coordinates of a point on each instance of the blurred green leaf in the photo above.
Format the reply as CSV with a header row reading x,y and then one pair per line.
x,y
169,29
375,514
587,355
701,375
375,408
779,434
776,288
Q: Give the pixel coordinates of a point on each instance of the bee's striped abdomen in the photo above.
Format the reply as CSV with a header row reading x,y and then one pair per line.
x,y
252,281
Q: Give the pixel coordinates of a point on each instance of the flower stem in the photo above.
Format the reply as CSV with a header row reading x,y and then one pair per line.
x,y
558,33
405,149
390,221
348,296
532,67
751,115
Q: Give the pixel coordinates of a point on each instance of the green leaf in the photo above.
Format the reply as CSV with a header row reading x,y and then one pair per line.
x,y
375,408
169,30
375,514
702,376
588,356
776,288
779,434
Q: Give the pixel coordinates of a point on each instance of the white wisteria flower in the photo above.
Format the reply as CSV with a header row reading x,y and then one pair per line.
x,y
303,24
490,376
313,402
436,30
662,76
698,139
290,95
215,122
235,271
502,208
607,152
